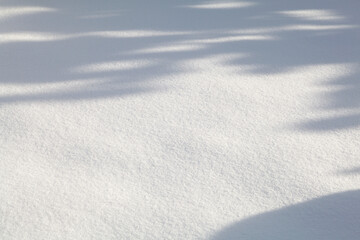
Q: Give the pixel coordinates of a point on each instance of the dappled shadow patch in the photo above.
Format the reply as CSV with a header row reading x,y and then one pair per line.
x,y
66,41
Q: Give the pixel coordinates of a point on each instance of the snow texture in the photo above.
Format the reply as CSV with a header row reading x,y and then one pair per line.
x,y
180,119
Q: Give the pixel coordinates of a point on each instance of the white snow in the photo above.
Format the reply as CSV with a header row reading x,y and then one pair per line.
x,y
222,5
179,119
313,15
112,66
9,12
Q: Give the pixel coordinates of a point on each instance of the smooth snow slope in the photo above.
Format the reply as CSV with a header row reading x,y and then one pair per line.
x,y
180,119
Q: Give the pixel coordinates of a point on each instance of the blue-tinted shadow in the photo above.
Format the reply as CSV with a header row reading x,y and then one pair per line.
x,y
332,217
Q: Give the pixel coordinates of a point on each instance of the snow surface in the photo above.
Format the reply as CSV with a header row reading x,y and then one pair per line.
x,y
180,119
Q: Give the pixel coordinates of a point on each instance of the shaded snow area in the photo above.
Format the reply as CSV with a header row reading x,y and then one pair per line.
x,y
174,119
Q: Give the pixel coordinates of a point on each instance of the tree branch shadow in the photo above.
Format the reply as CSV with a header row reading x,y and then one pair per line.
x,y
44,47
